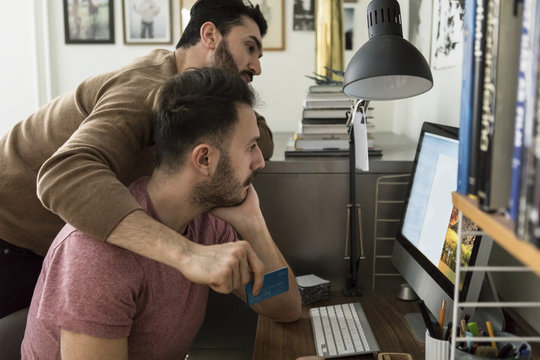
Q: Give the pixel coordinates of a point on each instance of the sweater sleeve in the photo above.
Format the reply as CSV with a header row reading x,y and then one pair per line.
x,y
266,141
80,182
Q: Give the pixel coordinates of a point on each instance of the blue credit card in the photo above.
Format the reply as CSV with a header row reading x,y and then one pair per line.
x,y
275,283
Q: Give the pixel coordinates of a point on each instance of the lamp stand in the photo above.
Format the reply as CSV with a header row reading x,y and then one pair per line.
x,y
352,210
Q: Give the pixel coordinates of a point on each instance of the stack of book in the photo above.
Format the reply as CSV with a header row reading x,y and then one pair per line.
x,y
323,126
499,137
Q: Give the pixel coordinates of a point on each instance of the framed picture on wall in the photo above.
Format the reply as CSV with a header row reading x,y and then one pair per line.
x,y
447,33
185,8
147,21
89,21
304,15
348,26
273,11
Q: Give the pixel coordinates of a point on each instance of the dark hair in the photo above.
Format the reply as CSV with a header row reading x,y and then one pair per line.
x,y
196,106
224,14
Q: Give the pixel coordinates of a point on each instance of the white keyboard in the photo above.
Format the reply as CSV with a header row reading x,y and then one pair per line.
x,y
341,330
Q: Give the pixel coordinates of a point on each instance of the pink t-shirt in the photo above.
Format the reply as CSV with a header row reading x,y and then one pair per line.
x,y
91,287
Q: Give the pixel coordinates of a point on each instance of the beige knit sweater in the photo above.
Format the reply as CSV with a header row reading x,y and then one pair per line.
x,y
78,152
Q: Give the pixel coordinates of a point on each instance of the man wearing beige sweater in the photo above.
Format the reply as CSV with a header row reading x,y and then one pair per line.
x,y
71,160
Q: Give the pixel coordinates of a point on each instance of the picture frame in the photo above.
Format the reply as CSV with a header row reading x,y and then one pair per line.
x,y
185,8
273,11
304,15
447,33
348,27
89,22
147,21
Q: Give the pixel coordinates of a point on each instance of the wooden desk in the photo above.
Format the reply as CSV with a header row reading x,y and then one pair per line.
x,y
383,310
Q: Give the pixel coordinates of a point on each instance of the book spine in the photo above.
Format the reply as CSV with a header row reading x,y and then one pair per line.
x,y
485,144
507,83
478,72
328,104
322,121
533,205
497,173
324,114
535,220
528,217
525,61
466,97
325,89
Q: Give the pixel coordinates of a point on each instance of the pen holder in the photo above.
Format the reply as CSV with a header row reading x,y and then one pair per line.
x,y
463,355
437,349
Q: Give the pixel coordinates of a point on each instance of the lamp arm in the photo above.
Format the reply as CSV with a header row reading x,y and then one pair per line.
x,y
351,286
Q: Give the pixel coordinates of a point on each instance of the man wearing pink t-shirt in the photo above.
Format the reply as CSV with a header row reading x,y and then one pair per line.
x,y
94,300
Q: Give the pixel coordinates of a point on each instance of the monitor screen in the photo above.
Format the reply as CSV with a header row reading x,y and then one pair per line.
x,y
430,220
425,253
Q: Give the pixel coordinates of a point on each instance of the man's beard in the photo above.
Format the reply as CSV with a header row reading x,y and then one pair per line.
x,y
222,189
224,59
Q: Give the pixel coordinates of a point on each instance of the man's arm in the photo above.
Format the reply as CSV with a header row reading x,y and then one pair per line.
x,y
247,219
223,267
85,347
286,307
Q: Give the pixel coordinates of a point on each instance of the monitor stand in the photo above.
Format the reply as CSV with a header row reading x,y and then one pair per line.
x,y
406,293
416,324
415,320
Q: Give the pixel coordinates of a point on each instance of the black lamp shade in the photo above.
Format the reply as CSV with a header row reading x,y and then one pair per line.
x,y
387,67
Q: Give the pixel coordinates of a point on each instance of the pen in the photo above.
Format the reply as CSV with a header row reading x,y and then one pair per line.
x,y
469,343
506,350
491,334
463,327
427,319
462,330
523,352
441,317
448,331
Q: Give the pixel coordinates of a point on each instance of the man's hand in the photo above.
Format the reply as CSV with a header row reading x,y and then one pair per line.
x,y
244,215
223,267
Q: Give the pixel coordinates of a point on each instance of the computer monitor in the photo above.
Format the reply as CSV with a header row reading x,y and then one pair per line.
x,y
425,251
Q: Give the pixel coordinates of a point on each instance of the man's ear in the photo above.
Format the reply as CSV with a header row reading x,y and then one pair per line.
x,y
210,35
204,159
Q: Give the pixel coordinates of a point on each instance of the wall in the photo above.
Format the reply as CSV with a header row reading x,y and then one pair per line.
x,y
282,86
57,67
439,105
18,69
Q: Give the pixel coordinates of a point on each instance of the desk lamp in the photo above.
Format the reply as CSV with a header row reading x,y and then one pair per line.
x,y
386,67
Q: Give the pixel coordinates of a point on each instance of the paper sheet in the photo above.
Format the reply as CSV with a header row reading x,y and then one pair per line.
x,y
359,124
310,280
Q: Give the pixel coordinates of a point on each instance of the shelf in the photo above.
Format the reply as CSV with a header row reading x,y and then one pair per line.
x,y
501,230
